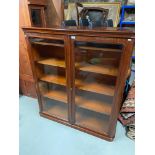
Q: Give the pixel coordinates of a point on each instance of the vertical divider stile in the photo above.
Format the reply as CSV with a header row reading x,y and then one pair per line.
x,y
69,78
72,70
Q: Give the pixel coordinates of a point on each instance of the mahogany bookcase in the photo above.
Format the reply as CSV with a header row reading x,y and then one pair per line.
x,y
80,75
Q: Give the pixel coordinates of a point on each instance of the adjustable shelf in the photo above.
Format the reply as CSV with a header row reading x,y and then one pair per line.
x,y
53,62
87,86
93,105
99,88
56,95
60,80
82,102
97,68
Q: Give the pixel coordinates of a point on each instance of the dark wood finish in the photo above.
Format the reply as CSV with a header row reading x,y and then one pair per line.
x,y
37,2
123,71
41,6
42,16
27,88
108,32
26,81
83,92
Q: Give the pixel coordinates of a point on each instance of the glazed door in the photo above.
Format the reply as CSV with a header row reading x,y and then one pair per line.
x,y
49,57
96,64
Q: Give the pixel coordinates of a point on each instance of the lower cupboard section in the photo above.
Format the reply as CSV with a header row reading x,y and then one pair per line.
x,y
84,118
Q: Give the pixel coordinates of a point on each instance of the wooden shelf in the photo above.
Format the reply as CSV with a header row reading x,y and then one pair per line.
x,y
91,120
97,68
53,62
87,86
82,102
56,109
54,79
95,87
90,115
49,44
99,49
93,105
57,95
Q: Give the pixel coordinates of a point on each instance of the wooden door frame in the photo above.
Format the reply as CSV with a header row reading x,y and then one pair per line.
x,y
120,80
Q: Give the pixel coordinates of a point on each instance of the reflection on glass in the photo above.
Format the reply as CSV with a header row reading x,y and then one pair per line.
x,y
96,71
49,57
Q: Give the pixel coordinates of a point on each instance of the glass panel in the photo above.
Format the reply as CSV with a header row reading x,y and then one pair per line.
x,y
51,72
96,71
36,17
54,99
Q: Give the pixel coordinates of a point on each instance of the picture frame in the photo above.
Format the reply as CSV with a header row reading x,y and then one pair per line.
x,y
114,10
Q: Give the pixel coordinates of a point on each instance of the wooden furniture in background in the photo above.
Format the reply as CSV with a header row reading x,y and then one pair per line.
x,y
53,15
80,75
26,80
37,12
